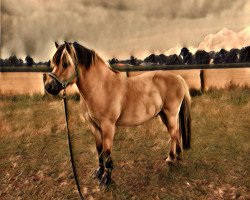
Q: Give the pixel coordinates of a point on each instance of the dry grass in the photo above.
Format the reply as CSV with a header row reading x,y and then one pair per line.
x,y
34,158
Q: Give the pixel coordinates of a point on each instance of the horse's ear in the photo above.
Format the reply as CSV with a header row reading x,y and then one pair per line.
x,y
57,45
67,46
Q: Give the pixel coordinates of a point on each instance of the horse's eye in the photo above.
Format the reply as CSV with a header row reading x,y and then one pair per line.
x,y
65,65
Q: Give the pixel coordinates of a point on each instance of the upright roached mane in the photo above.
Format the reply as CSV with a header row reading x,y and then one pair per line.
x,y
112,100
84,55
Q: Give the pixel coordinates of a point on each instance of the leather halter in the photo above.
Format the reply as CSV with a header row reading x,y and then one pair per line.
x,y
65,83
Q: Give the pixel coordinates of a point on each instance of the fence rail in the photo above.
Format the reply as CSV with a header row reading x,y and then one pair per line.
x,y
129,68
41,68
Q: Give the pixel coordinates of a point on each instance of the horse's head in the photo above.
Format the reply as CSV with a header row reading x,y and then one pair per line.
x,y
64,69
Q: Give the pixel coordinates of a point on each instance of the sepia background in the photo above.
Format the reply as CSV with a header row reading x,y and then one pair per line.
x,y
34,156
119,28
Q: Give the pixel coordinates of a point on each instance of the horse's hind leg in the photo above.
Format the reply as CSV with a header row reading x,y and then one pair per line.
x,y
170,119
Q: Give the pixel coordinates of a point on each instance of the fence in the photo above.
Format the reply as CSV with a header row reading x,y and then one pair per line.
x,y
199,77
129,68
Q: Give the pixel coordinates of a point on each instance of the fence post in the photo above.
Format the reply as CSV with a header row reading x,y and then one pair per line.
x,y
202,81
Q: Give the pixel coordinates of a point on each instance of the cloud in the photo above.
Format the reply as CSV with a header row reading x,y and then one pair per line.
x,y
226,39
114,27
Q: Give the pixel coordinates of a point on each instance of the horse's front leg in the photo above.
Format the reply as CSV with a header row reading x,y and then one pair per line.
x,y
98,140
108,130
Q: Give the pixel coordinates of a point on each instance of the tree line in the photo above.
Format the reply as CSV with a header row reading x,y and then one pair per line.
x,y
185,57
14,61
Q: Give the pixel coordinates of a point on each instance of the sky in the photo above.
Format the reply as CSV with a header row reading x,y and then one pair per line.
x,y
115,28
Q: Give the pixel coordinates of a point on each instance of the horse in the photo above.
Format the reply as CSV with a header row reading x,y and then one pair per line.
x,y
112,99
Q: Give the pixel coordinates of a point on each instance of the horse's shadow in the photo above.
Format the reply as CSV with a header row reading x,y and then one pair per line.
x,y
159,170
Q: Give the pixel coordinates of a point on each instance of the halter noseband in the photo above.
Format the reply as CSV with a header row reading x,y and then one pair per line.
x,y
65,83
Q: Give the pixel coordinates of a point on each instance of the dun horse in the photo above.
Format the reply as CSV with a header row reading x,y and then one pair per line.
x,y
114,100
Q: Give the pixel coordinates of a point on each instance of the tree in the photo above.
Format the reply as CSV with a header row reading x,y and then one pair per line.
x,y
113,61
29,61
244,54
174,60
48,63
1,62
13,61
186,55
233,56
133,60
202,57
221,56
20,62
162,59
151,58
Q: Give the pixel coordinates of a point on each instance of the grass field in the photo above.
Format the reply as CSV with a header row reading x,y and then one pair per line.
x,y
34,157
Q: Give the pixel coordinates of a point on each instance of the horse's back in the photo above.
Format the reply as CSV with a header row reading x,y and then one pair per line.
x,y
165,81
166,75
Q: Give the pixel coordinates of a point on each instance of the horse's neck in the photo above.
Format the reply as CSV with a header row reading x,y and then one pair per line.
x,y
91,81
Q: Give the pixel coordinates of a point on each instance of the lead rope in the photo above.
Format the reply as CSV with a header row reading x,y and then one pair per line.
x,y
70,145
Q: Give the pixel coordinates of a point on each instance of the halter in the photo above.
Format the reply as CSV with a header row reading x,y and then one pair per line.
x,y
65,83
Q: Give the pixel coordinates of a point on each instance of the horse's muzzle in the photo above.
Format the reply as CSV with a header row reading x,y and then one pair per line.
x,y
53,87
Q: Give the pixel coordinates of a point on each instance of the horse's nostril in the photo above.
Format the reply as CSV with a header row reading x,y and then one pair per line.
x,y
52,88
48,87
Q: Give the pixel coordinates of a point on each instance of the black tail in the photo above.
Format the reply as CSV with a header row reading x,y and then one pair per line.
x,y
185,123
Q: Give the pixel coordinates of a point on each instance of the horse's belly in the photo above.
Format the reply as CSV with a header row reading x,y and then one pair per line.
x,y
138,115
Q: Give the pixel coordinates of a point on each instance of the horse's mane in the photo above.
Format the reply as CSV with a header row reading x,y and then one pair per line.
x,y
88,57
84,55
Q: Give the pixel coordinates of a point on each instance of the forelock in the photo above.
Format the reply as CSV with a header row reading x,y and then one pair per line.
x,y
65,59
57,57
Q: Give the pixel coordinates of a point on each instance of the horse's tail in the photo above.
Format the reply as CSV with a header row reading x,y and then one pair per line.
x,y
185,117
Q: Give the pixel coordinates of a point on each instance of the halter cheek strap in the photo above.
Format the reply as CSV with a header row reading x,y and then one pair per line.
x,y
65,83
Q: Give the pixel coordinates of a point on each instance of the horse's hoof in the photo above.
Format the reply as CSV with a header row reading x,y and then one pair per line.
x,y
178,158
106,180
169,160
98,174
